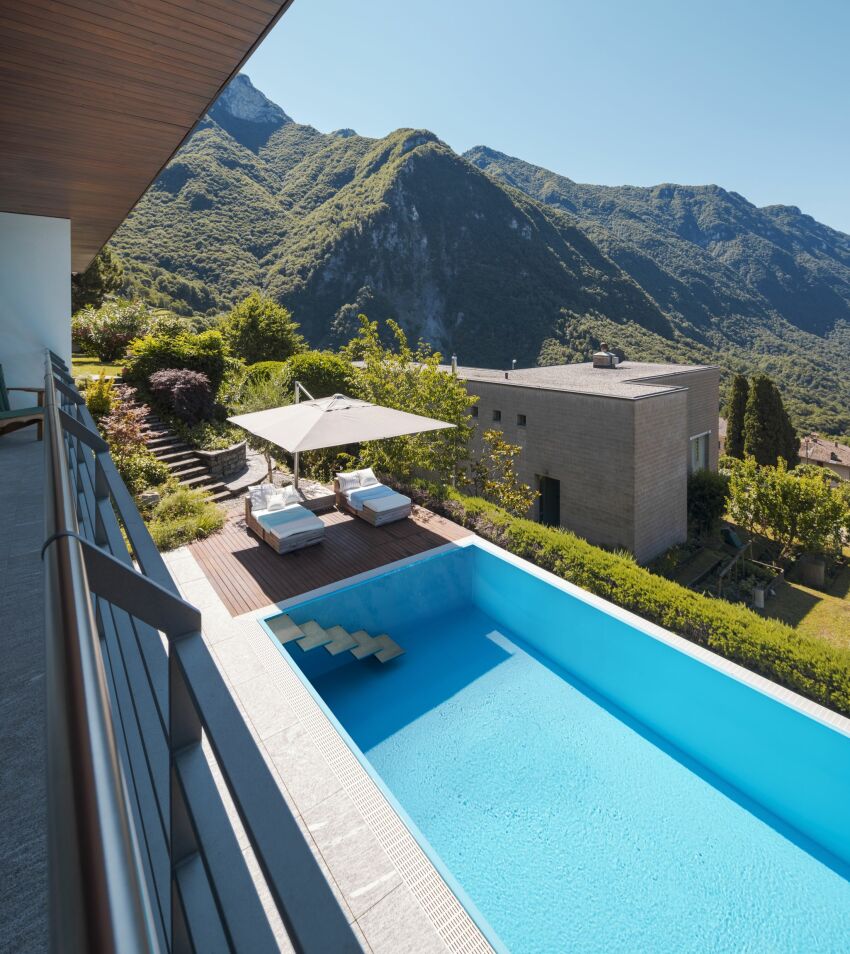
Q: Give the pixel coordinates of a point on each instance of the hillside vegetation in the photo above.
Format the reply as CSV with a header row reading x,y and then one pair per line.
x,y
489,257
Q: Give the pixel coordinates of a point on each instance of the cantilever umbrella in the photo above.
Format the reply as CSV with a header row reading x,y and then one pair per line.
x,y
332,422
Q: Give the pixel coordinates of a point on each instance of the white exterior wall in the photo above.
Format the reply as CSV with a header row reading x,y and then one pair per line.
x,y
35,297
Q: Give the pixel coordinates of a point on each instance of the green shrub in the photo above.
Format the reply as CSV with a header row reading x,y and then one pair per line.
x,y
139,469
205,353
259,329
183,515
808,666
100,396
321,372
708,493
263,370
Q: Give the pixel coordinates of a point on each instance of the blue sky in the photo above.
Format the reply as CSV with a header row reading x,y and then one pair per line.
x,y
751,95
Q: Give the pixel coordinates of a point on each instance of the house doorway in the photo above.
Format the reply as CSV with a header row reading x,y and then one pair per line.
x,y
550,501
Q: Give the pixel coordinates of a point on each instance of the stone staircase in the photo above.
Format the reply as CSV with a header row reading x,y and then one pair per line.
x,y
180,459
335,639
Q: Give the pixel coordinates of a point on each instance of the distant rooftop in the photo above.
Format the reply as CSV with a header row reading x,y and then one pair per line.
x,y
630,379
825,451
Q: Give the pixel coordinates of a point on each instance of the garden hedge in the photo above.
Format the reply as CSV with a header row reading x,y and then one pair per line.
x,y
806,665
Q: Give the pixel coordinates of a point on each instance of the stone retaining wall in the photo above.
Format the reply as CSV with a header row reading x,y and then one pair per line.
x,y
224,463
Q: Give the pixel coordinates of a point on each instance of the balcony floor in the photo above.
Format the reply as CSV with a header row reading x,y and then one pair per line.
x,y
248,575
23,821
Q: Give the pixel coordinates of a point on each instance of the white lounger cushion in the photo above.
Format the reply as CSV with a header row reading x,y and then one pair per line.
x,y
289,521
388,502
348,481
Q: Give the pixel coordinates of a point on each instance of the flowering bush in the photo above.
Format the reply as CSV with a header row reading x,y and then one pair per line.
x,y
186,393
107,331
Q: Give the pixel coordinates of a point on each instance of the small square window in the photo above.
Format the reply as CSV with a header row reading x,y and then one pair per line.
x,y
474,410
520,420
497,415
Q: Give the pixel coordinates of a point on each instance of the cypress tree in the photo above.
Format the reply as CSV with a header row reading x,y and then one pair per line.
x,y
735,410
768,432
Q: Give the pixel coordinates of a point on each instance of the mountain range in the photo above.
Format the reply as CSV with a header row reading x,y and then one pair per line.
x,y
489,257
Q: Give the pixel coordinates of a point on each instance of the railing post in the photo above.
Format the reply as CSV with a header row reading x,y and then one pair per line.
x,y
184,729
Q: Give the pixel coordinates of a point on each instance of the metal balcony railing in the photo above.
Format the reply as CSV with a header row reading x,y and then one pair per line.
x,y
143,856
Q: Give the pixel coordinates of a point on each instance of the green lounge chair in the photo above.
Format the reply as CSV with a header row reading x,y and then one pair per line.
x,y
12,419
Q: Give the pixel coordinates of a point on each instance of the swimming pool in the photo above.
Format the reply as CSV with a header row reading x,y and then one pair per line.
x,y
589,782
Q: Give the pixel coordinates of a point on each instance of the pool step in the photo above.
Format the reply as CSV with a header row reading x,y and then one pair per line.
x,y
314,636
335,639
381,647
342,640
284,629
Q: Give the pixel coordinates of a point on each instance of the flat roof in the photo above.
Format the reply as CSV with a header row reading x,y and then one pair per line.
x,y
630,379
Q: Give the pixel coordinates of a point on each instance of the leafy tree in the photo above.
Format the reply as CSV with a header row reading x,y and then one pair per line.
x,y
105,276
259,329
707,496
494,472
410,379
769,435
795,511
735,411
321,372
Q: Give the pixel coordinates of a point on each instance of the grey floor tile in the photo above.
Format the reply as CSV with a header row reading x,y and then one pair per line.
x,y
358,863
398,925
305,773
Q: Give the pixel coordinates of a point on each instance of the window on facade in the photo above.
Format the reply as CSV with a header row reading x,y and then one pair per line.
x,y
698,459
474,410
520,420
497,415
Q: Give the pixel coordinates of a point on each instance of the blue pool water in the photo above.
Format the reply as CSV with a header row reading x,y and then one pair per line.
x,y
590,788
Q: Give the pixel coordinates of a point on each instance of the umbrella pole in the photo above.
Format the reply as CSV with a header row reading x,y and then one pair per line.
x,y
299,387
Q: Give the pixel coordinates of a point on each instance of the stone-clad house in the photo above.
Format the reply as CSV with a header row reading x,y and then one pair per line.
x,y
608,444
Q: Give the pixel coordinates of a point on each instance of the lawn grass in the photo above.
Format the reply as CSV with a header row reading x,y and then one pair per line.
x,y
83,366
823,616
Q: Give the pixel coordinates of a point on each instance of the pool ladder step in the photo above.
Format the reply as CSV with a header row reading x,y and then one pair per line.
x,y
335,639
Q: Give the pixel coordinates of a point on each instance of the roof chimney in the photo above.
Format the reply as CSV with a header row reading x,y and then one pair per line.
x,y
454,365
605,358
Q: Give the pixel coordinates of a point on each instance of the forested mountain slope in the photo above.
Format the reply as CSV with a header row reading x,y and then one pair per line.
x,y
490,257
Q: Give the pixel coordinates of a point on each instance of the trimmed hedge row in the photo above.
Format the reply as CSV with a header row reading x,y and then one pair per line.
x,y
812,668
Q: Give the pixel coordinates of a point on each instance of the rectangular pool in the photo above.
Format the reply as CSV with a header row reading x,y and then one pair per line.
x,y
590,783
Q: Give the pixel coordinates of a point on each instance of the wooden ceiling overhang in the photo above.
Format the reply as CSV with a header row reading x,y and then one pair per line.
x,y
97,95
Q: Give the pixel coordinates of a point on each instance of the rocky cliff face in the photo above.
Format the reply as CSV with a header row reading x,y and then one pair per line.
x,y
248,115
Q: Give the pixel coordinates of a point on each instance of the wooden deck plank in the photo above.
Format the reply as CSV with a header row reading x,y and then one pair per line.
x,y
248,575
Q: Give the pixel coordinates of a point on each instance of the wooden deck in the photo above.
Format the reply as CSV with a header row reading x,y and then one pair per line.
x,y
248,575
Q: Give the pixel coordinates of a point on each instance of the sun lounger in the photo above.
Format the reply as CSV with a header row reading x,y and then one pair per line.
x,y
373,502
284,528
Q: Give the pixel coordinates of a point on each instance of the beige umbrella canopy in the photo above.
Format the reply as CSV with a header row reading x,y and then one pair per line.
x,y
332,422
